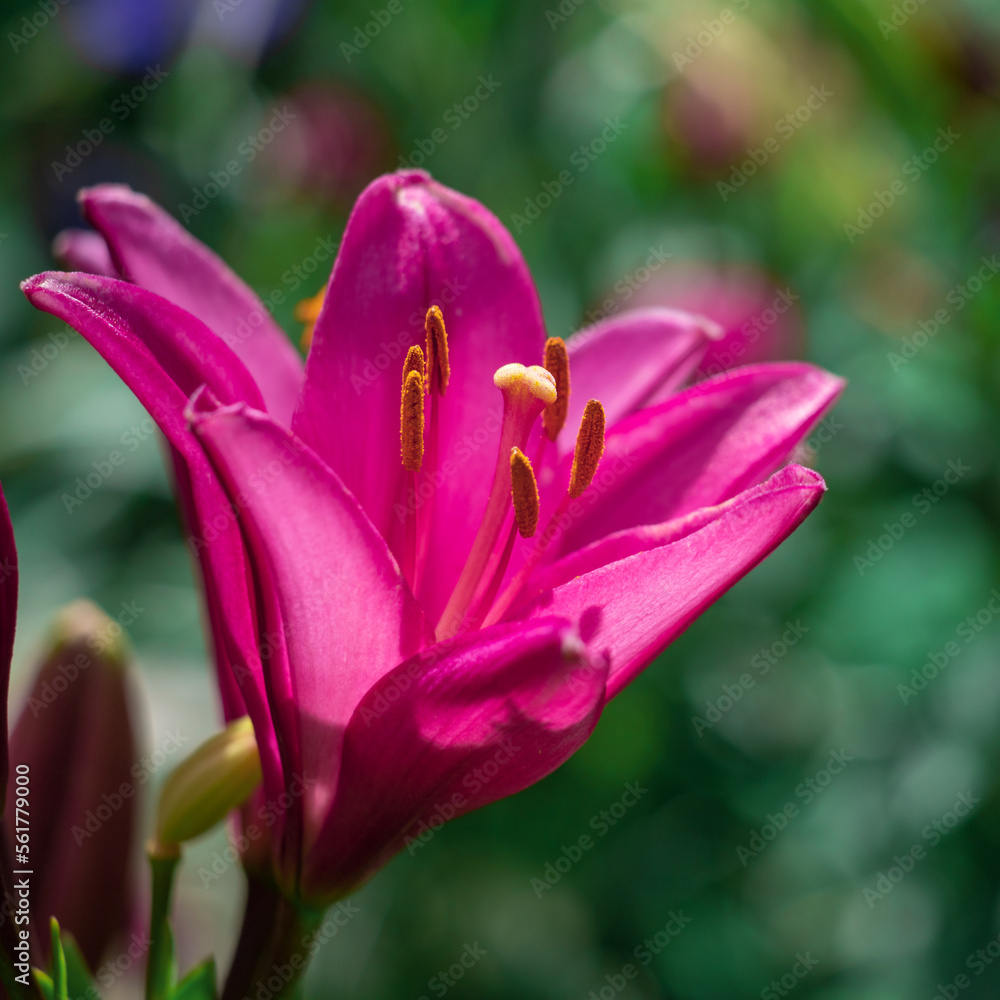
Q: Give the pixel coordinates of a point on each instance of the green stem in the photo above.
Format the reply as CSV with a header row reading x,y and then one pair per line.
x,y
160,970
274,946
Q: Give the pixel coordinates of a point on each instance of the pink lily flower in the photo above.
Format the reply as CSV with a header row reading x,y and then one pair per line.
x,y
405,655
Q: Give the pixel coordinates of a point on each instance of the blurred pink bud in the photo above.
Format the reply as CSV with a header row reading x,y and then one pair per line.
x,y
760,317
74,743
336,142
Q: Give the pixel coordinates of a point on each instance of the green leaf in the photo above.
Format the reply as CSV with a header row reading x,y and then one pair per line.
x,y
58,963
198,984
79,981
45,984
70,978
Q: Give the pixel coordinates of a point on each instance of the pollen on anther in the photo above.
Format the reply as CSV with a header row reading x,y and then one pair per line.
x,y
589,448
557,364
438,366
414,362
524,493
411,421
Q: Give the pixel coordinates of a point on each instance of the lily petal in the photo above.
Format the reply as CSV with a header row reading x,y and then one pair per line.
x,y
84,250
701,447
631,609
411,243
163,354
624,360
456,727
151,248
342,615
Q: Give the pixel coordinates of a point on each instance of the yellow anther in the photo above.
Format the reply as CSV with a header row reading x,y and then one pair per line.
x,y
307,312
589,448
411,421
524,493
557,364
414,362
534,380
438,366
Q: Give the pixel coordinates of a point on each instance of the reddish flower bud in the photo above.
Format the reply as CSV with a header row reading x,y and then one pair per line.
x,y
74,752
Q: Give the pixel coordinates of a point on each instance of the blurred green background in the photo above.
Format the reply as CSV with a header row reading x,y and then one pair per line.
x,y
706,167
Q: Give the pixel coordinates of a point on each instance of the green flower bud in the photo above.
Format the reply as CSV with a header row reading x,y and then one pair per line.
x,y
218,777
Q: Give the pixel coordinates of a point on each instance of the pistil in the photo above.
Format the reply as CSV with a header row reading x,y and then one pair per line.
x,y
586,456
526,392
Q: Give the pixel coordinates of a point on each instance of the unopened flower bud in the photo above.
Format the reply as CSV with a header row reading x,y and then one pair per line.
x,y
217,778
72,754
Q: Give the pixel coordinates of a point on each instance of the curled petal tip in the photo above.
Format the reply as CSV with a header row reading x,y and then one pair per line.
x,y
711,329
201,403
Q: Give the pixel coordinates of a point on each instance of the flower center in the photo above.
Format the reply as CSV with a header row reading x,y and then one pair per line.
x,y
513,504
